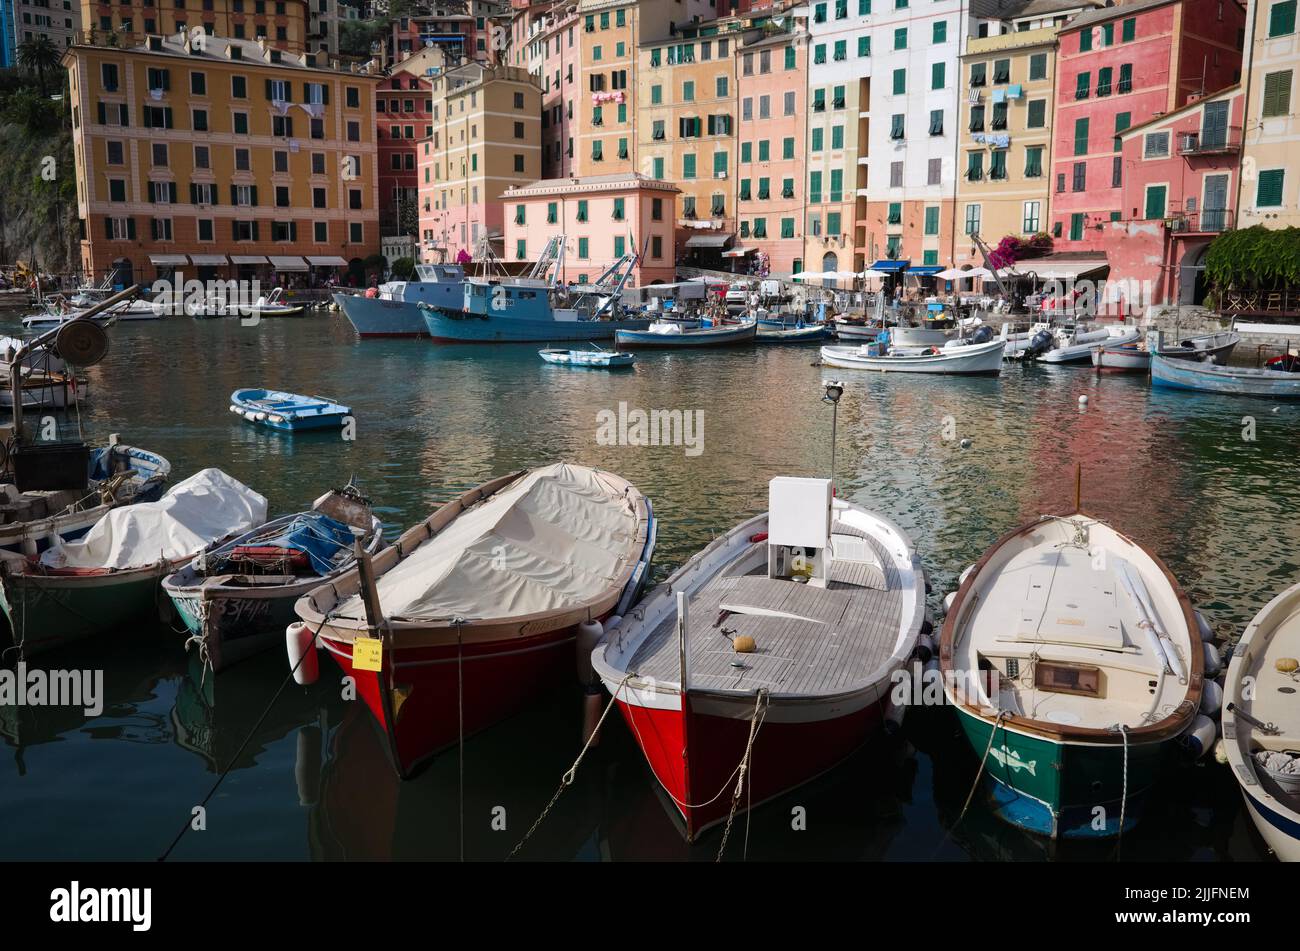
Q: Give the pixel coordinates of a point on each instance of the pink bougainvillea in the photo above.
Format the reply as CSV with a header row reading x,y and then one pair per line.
x,y
1012,249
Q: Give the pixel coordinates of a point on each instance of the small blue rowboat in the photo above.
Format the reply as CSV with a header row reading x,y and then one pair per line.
x,y
288,412
673,336
1212,378
594,359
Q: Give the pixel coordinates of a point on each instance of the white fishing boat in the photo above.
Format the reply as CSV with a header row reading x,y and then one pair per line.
x,y
1208,348
57,313
1074,343
775,647
1021,336
1261,722
1072,658
590,359
956,357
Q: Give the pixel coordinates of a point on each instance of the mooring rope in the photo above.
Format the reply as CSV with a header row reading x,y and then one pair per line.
x,y
743,768
1123,802
993,732
256,726
567,779
460,727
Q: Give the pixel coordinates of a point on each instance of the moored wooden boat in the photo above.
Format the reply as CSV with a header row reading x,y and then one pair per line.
x,y
1135,355
287,412
81,589
826,633
593,359
1234,380
1261,722
792,334
672,336
1073,660
477,607
236,597
955,358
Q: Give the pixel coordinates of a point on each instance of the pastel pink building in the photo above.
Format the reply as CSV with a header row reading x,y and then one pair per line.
x,y
1180,184
1116,68
602,217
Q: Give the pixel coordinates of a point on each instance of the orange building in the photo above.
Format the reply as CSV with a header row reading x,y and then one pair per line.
x,y
231,158
282,23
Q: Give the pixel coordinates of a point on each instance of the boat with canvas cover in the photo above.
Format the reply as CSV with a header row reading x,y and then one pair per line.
x,y
774,647
75,590
236,597
1135,355
1074,343
1261,722
1074,661
476,609
792,334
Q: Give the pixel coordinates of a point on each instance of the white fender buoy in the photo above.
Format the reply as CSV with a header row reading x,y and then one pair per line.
x,y
894,712
924,648
961,578
235,409
300,641
589,635
1213,663
948,600
1207,633
1221,752
1211,697
1198,739
1083,400
611,622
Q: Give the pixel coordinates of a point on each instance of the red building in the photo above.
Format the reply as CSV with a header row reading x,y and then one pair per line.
x,y
403,114
1180,186
1118,67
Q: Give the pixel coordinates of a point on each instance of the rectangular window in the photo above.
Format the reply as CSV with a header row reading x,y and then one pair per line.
x,y
972,219
1156,145
1268,191
1155,202
937,75
998,164
1034,161
1281,18
940,31
1037,66
1128,29
1125,78
1076,226
688,165
1080,176
1081,136
932,220
1082,85
1036,114
1277,94
900,38
1030,222
1104,77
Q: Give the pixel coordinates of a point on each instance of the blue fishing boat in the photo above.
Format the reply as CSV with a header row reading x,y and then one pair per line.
x,y
396,311
672,336
594,359
287,412
1239,381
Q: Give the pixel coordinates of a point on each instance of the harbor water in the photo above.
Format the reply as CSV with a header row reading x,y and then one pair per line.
x,y
1207,482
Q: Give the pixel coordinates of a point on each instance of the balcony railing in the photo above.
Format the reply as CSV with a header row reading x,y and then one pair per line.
x,y
1214,142
1205,221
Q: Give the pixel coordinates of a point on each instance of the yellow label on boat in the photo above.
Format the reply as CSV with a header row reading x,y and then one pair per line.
x,y
1072,621
367,654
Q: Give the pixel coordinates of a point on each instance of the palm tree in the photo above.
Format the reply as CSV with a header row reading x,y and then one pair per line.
x,y
37,56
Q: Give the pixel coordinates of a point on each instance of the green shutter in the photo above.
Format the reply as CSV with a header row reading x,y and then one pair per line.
x,y
937,75
1081,136
688,165
1128,30
900,82
1155,201
1277,94
1269,190
1281,18
1076,226
1081,84
1085,40
932,220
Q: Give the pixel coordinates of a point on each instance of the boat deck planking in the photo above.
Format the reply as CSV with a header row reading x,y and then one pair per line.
x,y
838,639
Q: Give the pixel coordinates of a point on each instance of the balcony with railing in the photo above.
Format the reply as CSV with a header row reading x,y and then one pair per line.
x,y
1205,221
1224,141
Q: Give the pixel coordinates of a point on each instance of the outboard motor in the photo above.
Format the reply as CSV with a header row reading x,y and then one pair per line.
x,y
983,334
1039,344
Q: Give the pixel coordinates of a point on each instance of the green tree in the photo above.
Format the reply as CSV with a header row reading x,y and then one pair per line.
x,y
403,268
39,56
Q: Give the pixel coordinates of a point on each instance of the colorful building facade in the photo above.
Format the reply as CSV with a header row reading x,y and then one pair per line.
x,y
1268,191
485,138
1117,67
603,217
280,23
231,159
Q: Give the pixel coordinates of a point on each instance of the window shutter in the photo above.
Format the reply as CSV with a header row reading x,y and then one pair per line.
x,y
253,190
171,191
108,228
123,115
103,113
234,195
234,230
130,229
255,231
194,194
325,93
167,117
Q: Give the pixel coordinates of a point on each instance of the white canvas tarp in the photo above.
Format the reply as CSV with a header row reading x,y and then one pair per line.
x,y
554,539
207,506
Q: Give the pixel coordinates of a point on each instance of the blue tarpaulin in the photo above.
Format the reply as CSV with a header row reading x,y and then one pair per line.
x,y
891,265
926,270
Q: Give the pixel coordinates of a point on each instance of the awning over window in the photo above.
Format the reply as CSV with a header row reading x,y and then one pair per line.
x,y
925,270
329,260
891,266
247,259
207,260
166,260
1062,271
738,252
709,240
288,263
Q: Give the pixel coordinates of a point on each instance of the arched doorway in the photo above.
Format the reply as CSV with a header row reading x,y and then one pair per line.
x,y
830,262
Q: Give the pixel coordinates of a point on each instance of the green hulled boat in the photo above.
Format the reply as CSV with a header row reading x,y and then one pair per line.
x,y
1074,661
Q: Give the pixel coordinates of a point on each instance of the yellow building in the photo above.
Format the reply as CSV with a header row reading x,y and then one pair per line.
x,y
486,138
613,29
686,127
1004,152
1269,186
230,158
282,23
